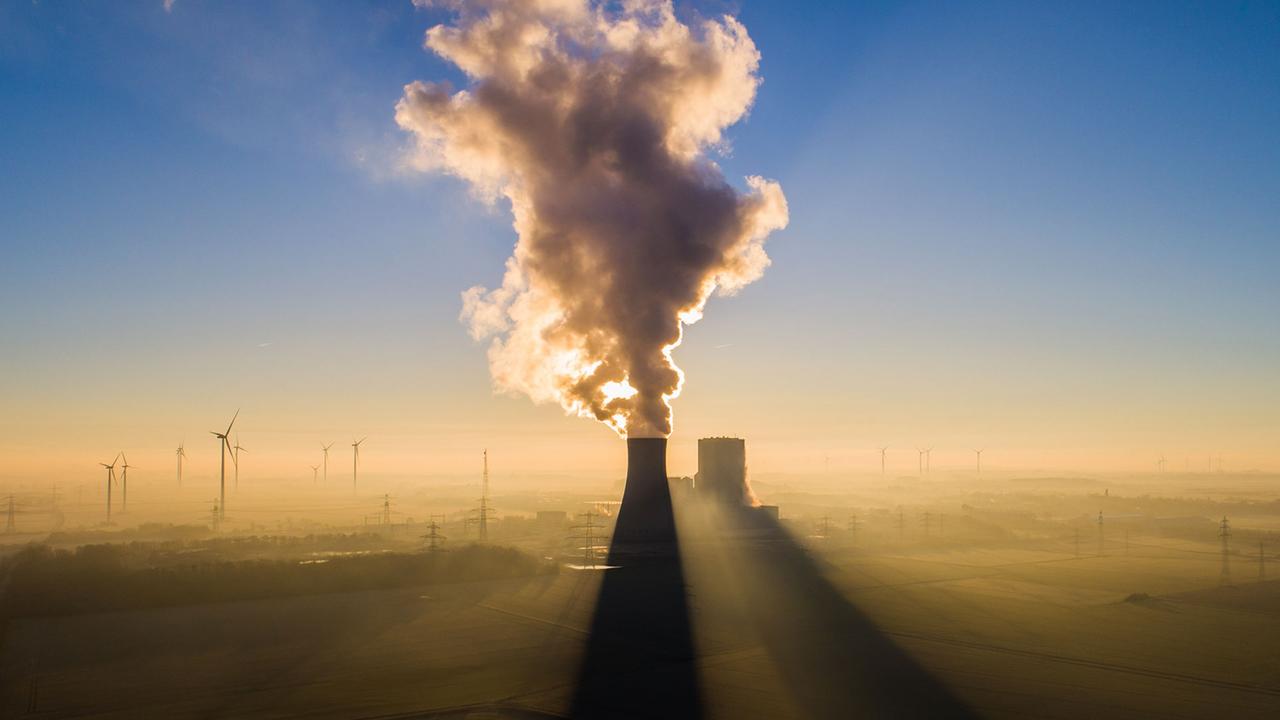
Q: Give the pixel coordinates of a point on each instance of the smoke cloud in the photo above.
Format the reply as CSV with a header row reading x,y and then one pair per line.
x,y
595,122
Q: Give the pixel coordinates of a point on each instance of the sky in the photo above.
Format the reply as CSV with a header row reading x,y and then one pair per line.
x,y
1047,230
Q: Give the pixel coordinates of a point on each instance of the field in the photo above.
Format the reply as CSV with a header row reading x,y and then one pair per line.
x,y
788,625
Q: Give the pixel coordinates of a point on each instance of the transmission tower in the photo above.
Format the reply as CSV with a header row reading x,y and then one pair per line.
x,y
1101,536
853,528
484,501
386,509
10,526
433,537
217,516
927,519
1224,532
586,532
824,526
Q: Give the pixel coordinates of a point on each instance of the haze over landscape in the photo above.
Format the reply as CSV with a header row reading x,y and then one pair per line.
x,y
566,358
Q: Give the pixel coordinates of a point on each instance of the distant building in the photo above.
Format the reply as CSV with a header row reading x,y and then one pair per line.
x,y
722,470
551,519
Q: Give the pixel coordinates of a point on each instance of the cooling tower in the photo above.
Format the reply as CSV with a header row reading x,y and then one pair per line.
x,y
722,470
645,523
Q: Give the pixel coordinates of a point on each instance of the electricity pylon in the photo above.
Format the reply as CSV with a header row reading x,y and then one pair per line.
x,y
1224,532
824,526
433,537
586,532
484,500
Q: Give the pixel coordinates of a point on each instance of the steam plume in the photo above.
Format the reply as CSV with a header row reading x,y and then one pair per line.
x,y
594,121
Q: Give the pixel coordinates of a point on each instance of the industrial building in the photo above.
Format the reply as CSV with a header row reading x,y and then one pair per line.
x,y
722,470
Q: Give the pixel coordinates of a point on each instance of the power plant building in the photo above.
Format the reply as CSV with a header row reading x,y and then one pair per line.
x,y
722,470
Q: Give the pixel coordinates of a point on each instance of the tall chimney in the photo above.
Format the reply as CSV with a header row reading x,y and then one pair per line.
x,y
645,524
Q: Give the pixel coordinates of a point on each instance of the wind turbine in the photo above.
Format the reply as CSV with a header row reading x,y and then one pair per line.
x,y
124,483
111,478
882,451
222,466
181,454
235,460
928,459
355,461
315,471
979,454
325,448
919,461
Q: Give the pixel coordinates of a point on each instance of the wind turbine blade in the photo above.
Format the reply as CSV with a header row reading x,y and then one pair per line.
x,y
233,420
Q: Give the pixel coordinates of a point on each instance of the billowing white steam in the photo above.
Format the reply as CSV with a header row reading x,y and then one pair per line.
x,y
594,122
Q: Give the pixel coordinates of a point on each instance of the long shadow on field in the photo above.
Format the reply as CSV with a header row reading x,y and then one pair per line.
x,y
639,661
834,659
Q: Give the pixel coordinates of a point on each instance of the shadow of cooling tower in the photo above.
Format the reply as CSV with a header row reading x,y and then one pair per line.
x,y
833,659
640,660
751,578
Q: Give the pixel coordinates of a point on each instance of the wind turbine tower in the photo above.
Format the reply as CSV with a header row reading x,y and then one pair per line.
x,y
315,473
928,460
919,461
882,452
325,448
355,462
222,466
235,461
124,483
111,479
979,454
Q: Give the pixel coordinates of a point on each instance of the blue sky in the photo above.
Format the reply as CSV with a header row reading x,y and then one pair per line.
x,y
1051,229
